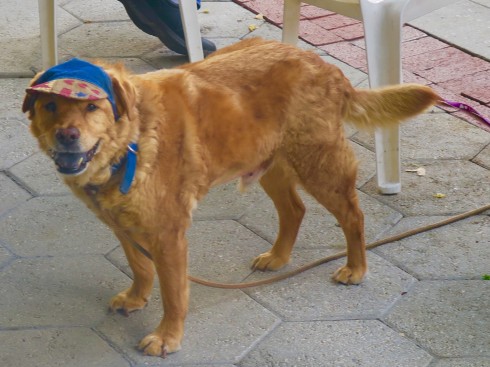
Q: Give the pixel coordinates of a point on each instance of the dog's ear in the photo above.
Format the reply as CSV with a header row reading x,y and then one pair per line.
x,y
29,99
125,98
125,93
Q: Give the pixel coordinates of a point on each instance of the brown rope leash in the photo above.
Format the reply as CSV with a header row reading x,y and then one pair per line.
x,y
301,269
338,255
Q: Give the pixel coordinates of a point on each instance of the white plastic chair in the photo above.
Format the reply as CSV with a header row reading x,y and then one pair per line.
x,y
49,48
383,21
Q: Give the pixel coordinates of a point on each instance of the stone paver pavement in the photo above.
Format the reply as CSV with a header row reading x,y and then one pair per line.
x,y
423,304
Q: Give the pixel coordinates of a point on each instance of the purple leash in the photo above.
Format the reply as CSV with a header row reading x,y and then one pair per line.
x,y
468,109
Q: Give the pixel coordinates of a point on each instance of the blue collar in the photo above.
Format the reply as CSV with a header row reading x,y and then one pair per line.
x,y
129,161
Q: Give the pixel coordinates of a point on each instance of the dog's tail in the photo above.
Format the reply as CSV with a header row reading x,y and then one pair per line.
x,y
369,108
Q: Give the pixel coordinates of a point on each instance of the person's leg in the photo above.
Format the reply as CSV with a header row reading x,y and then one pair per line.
x,y
161,18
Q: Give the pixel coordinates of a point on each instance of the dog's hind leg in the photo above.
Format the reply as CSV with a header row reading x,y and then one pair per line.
x,y
281,187
136,296
329,175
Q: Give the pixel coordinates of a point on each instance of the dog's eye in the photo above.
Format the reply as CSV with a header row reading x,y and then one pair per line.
x,y
91,107
51,107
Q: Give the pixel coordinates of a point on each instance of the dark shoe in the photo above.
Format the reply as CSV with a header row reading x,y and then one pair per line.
x,y
161,18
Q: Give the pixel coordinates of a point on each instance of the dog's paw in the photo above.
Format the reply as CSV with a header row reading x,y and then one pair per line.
x,y
125,303
268,261
348,275
155,345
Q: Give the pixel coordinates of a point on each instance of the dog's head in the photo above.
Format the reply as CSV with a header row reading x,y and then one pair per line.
x,y
81,115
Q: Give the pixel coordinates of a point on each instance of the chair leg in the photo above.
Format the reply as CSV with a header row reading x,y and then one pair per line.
x,y
382,28
47,25
290,30
192,31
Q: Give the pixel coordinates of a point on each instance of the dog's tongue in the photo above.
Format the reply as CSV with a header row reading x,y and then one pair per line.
x,y
70,163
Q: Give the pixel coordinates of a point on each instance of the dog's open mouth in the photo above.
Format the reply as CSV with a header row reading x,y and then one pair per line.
x,y
69,163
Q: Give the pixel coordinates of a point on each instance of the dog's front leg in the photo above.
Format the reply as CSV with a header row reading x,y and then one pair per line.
x,y
169,251
135,297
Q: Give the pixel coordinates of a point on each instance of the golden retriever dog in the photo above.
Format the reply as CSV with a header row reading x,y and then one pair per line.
x,y
255,111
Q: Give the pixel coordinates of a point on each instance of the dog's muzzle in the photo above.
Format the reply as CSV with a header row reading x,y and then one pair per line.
x,y
73,163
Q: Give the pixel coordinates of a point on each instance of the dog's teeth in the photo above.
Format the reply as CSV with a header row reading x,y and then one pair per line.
x,y
80,161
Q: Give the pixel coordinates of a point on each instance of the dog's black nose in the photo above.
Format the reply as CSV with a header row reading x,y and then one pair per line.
x,y
68,136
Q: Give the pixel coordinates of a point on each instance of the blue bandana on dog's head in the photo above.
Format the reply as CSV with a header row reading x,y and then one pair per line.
x,y
76,79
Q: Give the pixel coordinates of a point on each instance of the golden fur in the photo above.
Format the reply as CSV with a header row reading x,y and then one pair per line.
x,y
257,110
